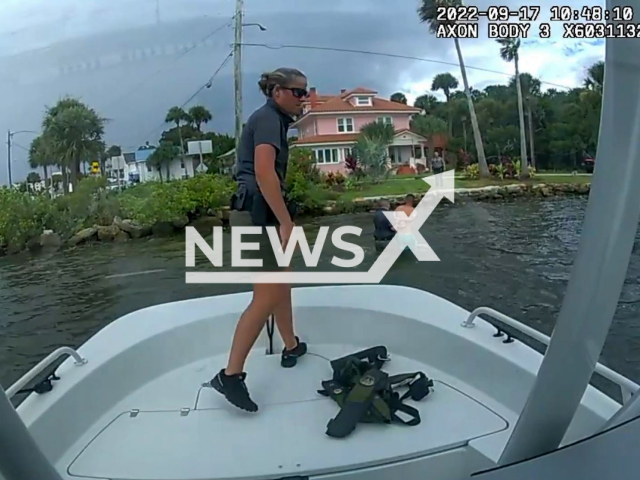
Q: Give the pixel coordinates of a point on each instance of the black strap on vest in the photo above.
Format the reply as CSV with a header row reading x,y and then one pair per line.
x,y
357,403
366,394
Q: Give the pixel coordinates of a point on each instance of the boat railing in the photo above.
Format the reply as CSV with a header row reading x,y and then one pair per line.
x,y
627,387
40,367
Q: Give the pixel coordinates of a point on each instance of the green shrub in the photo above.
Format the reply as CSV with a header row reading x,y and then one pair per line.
x,y
304,183
209,191
22,216
154,202
472,171
344,206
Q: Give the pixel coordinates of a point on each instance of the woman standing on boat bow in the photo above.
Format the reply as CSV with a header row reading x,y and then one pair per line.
x,y
261,169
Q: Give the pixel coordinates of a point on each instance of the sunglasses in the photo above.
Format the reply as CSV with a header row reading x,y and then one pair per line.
x,y
298,92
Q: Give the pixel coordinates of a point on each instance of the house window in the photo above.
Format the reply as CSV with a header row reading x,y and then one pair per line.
x,y
327,155
417,151
363,101
386,120
148,168
345,125
181,163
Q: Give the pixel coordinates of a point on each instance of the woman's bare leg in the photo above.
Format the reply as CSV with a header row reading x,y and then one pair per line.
x,y
284,317
265,299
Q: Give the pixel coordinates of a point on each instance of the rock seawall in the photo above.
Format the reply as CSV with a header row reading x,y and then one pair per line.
x,y
123,230
492,193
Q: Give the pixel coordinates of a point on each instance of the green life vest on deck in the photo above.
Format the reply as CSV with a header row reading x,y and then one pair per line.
x,y
366,394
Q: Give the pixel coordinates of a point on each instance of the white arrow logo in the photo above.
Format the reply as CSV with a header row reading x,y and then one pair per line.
x,y
442,185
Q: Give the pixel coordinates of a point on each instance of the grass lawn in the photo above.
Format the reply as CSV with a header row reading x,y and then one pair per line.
x,y
403,186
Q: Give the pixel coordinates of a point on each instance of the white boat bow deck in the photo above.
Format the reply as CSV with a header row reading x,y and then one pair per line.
x,y
137,410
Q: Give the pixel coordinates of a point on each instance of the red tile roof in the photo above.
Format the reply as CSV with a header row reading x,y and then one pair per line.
x,y
358,90
337,104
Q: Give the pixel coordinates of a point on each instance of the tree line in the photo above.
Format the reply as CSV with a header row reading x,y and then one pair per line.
x,y
188,127
73,136
554,129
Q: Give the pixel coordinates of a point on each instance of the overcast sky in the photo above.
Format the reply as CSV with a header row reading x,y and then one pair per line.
x,y
127,59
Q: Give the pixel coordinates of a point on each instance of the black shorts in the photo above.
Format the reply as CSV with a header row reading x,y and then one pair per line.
x,y
265,253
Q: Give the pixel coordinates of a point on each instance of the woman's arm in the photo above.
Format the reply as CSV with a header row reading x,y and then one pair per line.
x,y
269,184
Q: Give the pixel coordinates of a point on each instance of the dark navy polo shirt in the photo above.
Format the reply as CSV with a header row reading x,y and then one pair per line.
x,y
383,227
267,125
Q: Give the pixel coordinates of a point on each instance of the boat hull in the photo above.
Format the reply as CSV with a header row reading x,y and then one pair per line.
x,y
138,410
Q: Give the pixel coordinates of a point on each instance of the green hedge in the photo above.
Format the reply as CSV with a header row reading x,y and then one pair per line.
x,y
24,216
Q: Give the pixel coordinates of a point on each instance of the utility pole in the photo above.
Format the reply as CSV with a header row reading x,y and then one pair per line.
x,y
237,72
20,456
10,135
9,155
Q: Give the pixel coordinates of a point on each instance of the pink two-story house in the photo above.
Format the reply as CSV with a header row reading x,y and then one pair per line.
x,y
330,126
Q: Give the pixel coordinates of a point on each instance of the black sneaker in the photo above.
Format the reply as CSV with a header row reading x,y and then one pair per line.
x,y
234,389
290,357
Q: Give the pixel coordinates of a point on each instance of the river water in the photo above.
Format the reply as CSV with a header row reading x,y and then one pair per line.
x,y
514,256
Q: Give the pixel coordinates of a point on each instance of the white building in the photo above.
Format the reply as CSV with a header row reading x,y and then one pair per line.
x,y
133,167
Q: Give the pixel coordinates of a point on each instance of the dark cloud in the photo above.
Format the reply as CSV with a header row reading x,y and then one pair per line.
x,y
127,58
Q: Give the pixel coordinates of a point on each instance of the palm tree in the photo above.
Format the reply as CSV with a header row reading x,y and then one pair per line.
x,y
372,155
530,93
399,97
446,82
509,52
177,115
595,77
200,115
40,155
375,136
426,102
50,115
428,13
74,132
382,132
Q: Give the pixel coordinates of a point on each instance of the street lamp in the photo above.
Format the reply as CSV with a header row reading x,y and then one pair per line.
x,y
10,135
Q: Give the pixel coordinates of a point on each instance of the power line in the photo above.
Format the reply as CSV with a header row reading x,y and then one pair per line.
x,y
208,84
205,85
161,69
391,55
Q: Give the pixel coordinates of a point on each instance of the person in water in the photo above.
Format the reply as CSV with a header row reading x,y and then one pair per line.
x,y
383,230
405,236
261,169
408,205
